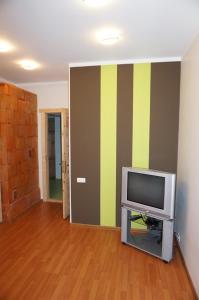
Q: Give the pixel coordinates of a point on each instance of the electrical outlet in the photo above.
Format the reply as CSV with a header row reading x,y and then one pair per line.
x,y
178,237
81,180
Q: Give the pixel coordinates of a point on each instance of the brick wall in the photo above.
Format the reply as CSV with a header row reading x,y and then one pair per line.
x,y
18,150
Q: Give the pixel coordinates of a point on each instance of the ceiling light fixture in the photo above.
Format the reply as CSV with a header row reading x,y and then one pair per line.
x,y
96,3
28,64
5,46
108,36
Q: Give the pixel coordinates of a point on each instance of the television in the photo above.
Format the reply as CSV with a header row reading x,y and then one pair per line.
x,y
149,191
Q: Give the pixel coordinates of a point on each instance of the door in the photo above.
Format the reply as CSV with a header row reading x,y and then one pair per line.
x,y
65,162
48,160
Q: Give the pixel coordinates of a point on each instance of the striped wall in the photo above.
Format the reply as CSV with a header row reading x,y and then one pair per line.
x,y
141,115
121,115
108,136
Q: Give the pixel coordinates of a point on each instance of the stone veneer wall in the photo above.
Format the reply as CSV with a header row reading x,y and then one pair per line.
x,y
18,150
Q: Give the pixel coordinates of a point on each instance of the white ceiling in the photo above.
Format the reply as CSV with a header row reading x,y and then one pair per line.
x,y
58,32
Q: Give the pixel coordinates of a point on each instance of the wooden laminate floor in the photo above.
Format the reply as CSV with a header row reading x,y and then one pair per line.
x,y
44,257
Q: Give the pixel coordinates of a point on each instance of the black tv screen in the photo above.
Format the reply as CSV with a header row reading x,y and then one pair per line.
x,y
146,189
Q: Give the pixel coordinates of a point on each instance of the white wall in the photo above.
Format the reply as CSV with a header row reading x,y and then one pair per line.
x,y
4,80
49,95
187,206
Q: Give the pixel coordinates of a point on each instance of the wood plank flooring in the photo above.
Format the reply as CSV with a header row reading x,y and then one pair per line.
x,y
44,257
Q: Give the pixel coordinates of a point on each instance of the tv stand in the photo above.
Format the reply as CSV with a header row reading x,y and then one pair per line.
x,y
154,237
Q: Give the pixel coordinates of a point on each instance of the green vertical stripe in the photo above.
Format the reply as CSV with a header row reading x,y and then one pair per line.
x,y
141,115
108,145
141,119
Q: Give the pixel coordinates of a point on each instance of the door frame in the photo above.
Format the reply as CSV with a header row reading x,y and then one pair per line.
x,y
65,159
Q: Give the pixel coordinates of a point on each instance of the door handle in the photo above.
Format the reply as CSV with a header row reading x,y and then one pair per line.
x,y
63,167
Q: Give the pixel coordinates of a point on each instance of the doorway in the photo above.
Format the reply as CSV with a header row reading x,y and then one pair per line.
x,y
54,156
55,160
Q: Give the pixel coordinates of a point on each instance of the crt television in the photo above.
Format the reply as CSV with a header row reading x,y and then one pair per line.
x,y
149,191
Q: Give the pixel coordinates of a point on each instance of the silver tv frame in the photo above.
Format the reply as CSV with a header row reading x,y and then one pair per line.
x,y
169,193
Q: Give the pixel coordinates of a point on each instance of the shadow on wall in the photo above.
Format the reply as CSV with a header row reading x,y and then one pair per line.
x,y
181,211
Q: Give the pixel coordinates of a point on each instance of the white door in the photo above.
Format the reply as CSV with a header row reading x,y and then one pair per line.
x,y
65,162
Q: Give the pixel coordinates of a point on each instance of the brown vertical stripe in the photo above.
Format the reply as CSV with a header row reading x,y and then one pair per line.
x,y
124,127
85,144
165,84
